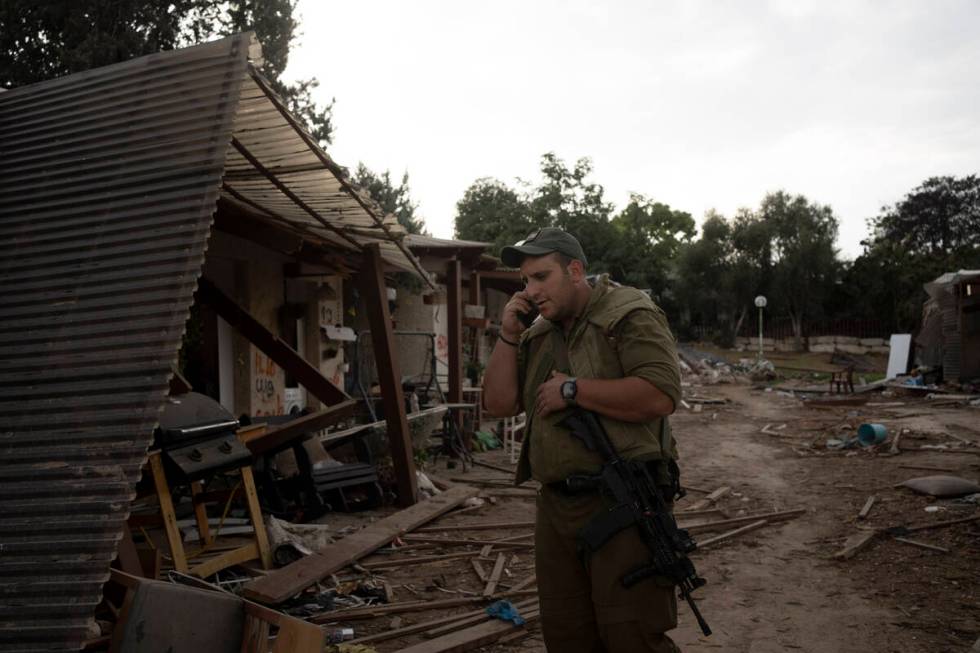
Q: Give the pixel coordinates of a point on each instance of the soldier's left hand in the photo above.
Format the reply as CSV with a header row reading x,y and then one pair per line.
x,y
549,395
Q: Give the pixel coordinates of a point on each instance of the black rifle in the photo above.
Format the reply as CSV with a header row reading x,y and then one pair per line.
x,y
637,501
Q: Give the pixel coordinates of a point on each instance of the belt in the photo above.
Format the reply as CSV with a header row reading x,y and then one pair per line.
x,y
576,484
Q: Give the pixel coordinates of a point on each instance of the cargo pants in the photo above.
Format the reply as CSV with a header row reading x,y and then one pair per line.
x,y
584,606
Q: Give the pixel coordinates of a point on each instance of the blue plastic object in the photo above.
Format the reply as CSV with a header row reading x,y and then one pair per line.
x,y
506,611
872,434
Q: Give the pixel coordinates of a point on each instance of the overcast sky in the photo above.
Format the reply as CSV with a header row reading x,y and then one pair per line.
x,y
696,104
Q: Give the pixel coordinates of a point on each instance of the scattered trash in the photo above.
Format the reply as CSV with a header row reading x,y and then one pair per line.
x,y
506,611
338,635
942,485
872,434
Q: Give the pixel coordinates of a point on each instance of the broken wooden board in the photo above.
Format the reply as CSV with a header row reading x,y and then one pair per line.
x,y
867,507
472,637
711,498
854,544
733,533
294,578
748,519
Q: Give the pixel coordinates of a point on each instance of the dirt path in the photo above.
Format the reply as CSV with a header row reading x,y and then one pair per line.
x,y
777,589
771,591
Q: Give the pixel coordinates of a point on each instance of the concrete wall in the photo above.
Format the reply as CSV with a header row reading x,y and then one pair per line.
x,y
827,344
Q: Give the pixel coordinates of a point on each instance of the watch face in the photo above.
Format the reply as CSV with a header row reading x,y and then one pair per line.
x,y
568,390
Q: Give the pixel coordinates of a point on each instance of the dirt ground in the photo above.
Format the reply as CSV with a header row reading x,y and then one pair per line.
x,y
777,588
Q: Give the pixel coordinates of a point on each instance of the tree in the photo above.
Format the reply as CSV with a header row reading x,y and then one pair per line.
x,y
649,237
43,40
492,212
934,229
939,217
704,280
393,199
804,257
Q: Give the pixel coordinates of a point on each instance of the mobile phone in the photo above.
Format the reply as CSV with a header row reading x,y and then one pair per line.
x,y
528,318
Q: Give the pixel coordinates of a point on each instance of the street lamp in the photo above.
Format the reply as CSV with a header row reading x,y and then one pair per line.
x,y
760,303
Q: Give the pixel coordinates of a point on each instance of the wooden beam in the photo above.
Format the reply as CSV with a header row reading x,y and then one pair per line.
x,y
167,511
498,569
283,583
454,328
474,285
277,438
372,284
271,345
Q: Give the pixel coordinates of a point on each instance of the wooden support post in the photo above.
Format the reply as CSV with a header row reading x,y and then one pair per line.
x,y
454,328
167,511
372,283
282,354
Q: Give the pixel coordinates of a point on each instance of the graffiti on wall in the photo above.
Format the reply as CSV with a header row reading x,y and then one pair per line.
x,y
268,385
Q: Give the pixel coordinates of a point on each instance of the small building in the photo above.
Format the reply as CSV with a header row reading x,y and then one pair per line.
x,y
950,333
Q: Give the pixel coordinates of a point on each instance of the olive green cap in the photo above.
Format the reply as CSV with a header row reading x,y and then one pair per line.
x,y
540,242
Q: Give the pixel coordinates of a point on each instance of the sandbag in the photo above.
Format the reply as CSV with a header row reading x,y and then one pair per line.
x,y
942,485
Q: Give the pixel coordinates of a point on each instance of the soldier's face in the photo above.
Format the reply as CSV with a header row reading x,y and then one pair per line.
x,y
550,285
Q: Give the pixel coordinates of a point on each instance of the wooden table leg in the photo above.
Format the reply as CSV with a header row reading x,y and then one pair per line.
x,y
167,511
255,513
201,514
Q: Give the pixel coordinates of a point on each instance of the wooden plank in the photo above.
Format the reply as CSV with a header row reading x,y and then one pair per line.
x,y
527,582
291,579
271,345
711,498
167,511
867,507
415,628
475,527
372,284
771,516
481,573
921,545
454,334
474,618
734,533
942,524
372,611
228,559
498,569
464,542
480,463
473,637
278,437
854,544
418,560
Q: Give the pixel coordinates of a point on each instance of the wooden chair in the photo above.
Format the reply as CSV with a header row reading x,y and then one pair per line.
x,y
843,380
162,617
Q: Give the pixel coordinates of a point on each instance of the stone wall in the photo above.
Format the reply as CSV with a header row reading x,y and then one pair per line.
x,y
827,344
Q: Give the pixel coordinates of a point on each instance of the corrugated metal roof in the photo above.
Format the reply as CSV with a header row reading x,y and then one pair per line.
x,y
108,184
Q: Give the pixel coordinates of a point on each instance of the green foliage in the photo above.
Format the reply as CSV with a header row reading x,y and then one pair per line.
x,y
393,199
934,229
649,236
43,40
492,212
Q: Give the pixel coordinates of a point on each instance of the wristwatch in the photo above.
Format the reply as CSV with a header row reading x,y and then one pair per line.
x,y
568,391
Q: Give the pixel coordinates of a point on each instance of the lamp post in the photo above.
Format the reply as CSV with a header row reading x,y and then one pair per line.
x,y
760,303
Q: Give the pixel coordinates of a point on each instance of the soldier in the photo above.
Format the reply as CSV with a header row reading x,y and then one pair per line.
x,y
608,349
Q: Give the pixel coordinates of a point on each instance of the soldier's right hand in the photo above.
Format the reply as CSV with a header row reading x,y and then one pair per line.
x,y
511,326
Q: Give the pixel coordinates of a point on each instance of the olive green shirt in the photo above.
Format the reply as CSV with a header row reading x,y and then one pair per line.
x,y
621,333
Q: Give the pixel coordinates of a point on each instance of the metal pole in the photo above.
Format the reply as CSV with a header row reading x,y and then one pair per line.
x,y
760,333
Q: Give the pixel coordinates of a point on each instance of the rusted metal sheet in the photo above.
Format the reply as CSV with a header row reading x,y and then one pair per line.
x,y
108,183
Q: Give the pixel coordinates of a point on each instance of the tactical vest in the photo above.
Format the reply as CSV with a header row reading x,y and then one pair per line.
x,y
549,453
